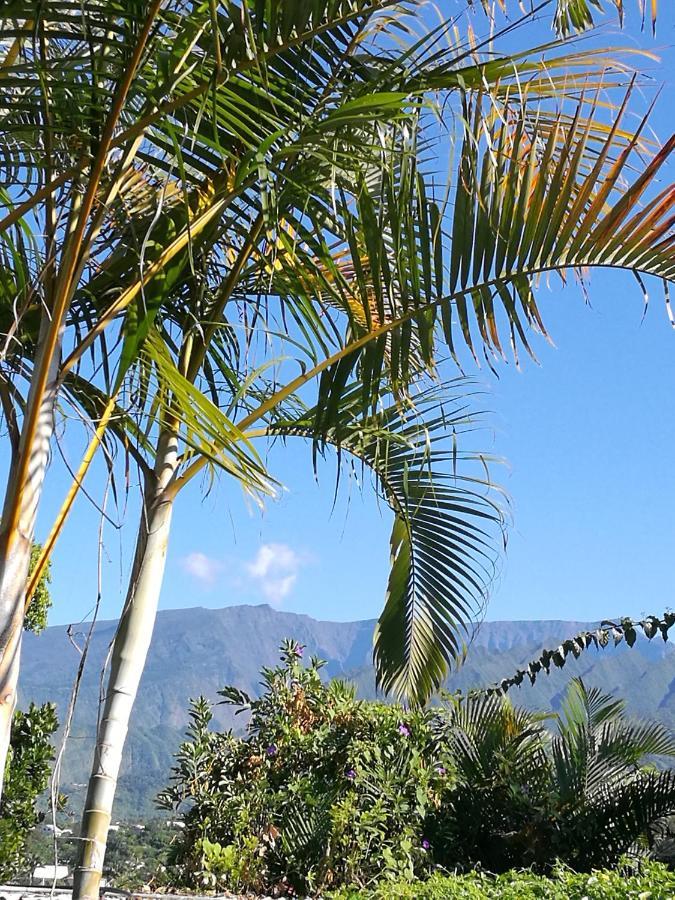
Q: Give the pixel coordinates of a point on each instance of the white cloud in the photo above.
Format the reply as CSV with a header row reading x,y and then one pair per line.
x,y
275,568
202,567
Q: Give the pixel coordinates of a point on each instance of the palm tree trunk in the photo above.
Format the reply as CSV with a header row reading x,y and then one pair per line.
x,y
130,649
16,539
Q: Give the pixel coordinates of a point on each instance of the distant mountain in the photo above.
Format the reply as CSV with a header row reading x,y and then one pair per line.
x,y
197,651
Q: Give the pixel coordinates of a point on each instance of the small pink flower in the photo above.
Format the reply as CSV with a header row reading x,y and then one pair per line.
x,y
403,729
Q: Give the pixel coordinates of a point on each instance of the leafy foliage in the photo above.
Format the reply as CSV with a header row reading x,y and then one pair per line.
x,y
40,603
651,881
327,791
324,790
26,777
608,632
135,856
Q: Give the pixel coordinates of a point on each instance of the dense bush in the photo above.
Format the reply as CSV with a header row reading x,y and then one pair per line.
x,y
653,882
28,765
328,791
325,790
27,775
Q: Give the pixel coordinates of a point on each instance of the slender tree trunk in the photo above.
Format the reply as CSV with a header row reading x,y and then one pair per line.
x,y
16,539
130,649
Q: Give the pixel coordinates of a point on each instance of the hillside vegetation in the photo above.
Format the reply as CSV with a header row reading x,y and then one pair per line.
x,y
195,652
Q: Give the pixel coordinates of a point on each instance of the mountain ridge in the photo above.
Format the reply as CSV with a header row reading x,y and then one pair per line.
x,y
198,650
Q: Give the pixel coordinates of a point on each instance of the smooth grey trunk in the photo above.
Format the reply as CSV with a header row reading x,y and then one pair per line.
x,y
20,506
129,652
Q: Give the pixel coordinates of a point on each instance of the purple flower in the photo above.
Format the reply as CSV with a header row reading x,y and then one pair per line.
x,y
425,844
351,774
272,750
440,770
403,729
299,649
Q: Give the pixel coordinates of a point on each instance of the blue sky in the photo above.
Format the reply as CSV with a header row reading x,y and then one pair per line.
x,y
589,436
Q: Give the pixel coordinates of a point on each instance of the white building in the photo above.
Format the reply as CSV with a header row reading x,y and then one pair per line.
x,y
47,874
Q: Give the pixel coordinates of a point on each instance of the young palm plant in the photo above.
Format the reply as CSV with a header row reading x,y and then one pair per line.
x,y
603,785
583,792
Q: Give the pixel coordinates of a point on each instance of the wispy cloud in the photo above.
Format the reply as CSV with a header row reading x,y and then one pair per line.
x,y
202,567
275,569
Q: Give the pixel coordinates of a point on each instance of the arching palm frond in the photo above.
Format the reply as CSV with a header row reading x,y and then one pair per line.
x,y
442,544
607,634
483,730
522,207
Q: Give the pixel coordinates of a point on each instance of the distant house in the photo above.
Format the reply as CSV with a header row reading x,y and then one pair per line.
x,y
49,828
47,874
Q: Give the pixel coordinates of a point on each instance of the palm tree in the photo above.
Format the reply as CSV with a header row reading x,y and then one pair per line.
x,y
284,105
189,346
81,101
434,570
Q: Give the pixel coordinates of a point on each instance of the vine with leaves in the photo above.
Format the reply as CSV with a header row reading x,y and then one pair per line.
x,y
608,632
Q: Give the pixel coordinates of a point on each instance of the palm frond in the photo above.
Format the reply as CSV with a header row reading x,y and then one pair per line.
x,y
484,730
577,15
522,207
442,539
625,813
174,402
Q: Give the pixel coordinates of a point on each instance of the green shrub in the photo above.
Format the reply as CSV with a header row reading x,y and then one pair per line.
x,y
653,882
324,790
26,777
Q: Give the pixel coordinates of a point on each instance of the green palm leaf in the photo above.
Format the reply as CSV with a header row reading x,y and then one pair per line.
x,y
523,206
577,15
445,519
